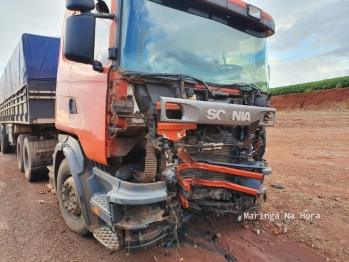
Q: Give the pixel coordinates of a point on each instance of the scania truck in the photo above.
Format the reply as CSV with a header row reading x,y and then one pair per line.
x,y
142,113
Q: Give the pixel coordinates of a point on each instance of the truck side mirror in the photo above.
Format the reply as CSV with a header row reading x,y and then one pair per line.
x,y
80,5
79,38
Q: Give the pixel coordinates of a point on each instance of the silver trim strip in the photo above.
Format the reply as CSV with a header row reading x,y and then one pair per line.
x,y
205,112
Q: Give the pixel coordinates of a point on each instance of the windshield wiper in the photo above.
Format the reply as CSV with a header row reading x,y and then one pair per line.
x,y
179,76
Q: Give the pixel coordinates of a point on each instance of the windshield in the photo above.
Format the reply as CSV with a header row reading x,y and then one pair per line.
x,y
157,39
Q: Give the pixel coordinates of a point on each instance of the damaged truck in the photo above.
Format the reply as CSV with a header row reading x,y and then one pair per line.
x,y
143,112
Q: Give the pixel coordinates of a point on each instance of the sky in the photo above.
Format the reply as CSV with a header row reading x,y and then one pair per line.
x,y
311,41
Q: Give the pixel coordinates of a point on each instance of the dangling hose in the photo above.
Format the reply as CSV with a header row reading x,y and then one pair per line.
x,y
150,168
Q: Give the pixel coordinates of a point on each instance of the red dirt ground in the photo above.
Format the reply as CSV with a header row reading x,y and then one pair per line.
x,y
34,231
308,152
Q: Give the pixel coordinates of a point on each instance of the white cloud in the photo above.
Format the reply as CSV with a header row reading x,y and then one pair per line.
x,y
311,40
34,17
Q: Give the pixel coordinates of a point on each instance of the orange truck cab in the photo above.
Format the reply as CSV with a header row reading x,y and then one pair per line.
x,y
161,113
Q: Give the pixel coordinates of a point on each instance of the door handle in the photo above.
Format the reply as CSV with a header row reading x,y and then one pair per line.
x,y
72,106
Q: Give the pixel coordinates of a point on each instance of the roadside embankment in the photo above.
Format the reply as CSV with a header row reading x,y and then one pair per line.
x,y
331,99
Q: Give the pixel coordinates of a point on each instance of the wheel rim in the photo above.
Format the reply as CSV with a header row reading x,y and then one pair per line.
x,y
70,198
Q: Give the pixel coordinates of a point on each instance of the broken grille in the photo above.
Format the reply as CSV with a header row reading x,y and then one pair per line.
x,y
217,158
207,175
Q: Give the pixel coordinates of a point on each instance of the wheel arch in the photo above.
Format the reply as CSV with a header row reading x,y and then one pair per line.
x,y
69,148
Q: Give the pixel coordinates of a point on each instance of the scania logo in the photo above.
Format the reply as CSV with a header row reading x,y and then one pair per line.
x,y
241,116
213,114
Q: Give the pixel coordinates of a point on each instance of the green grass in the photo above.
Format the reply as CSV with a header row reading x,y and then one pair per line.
x,y
338,82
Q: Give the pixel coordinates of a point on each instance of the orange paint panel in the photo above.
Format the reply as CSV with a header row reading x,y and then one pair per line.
x,y
184,184
77,119
267,16
227,90
174,131
222,184
62,110
191,163
117,92
172,135
182,154
121,94
184,202
221,169
239,3
175,126
168,106
63,86
89,88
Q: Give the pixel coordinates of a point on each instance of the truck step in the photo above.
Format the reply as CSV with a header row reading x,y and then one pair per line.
x,y
99,205
107,238
101,201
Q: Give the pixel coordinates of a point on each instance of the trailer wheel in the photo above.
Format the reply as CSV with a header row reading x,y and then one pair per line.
x,y
19,152
27,161
69,202
5,144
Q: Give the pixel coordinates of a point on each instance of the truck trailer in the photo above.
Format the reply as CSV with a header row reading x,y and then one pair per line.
x,y
143,114
27,103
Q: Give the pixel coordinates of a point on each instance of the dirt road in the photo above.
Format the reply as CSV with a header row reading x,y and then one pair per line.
x,y
309,155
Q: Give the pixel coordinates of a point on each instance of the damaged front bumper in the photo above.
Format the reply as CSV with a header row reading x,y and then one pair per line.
x,y
138,209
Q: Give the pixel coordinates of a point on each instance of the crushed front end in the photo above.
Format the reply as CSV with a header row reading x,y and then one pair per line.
x,y
185,148
219,159
188,107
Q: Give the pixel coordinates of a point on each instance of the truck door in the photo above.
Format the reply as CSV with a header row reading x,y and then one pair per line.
x,y
88,91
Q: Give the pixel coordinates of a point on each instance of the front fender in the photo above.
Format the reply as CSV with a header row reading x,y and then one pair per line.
x,y
69,148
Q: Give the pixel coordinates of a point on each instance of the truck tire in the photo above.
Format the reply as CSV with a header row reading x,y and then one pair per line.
x,y
19,152
5,144
69,202
2,132
27,160
37,155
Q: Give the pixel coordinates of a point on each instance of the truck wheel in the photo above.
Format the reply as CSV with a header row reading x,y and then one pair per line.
x,y
5,145
37,155
69,200
2,132
27,161
19,152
